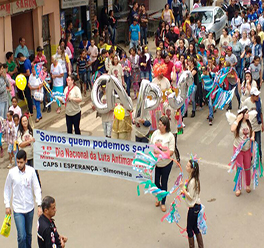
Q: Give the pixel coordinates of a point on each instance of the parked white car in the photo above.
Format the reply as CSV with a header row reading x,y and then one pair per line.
x,y
213,18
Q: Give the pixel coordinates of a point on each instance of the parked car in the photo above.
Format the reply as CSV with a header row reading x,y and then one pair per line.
x,y
213,18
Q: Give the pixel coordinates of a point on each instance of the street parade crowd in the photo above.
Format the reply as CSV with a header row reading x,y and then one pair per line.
x,y
189,67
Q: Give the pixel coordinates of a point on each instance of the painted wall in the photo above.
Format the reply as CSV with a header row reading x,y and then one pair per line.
x,y
14,27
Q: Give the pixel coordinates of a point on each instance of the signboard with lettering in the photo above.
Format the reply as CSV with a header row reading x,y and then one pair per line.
x,y
73,3
19,6
86,154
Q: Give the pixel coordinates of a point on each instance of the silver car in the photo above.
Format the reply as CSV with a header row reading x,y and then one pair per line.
x,y
213,18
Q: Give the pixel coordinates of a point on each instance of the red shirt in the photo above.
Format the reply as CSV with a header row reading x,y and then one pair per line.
x,y
169,70
40,60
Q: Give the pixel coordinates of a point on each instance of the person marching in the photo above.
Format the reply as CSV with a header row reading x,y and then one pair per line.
x,y
48,236
163,137
242,129
192,199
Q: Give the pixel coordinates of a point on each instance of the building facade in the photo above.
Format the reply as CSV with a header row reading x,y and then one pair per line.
x,y
38,21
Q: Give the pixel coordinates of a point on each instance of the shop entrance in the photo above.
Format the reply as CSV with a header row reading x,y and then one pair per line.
x,y
22,26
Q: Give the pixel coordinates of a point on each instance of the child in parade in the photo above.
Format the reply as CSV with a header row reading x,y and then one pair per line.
x,y
243,132
145,63
256,71
82,64
208,82
192,199
15,108
35,86
158,59
135,72
9,136
126,65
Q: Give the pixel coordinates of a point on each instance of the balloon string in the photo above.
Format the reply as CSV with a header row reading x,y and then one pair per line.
x,y
30,119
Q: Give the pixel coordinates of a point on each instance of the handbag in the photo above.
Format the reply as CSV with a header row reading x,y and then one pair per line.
x,y
38,95
6,227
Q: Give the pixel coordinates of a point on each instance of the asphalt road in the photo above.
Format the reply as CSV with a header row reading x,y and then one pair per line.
x,y
97,211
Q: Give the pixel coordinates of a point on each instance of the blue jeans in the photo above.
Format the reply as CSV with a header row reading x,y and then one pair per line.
x,y
237,95
193,98
210,105
83,78
258,140
37,104
133,43
162,177
3,109
128,84
177,20
24,228
143,35
112,32
65,75
144,75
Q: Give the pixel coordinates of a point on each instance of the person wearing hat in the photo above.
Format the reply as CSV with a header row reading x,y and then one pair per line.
x,y
244,134
254,103
134,34
40,58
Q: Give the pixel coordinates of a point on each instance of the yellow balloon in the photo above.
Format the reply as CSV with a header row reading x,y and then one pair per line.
x,y
119,112
21,81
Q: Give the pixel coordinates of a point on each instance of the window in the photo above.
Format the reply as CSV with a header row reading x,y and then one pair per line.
x,y
205,17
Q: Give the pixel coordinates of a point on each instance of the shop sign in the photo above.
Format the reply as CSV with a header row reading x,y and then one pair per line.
x,y
73,3
19,6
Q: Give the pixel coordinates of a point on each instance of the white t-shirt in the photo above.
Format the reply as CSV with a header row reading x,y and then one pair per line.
x,y
57,71
245,43
34,82
245,27
167,140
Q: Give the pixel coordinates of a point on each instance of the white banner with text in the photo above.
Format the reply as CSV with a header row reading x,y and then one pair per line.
x,y
86,154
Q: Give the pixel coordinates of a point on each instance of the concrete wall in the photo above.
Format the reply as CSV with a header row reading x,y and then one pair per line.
x,y
157,4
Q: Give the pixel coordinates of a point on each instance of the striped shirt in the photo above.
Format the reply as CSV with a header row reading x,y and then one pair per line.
x,y
208,81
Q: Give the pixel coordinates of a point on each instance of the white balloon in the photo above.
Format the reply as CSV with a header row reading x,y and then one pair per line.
x,y
185,81
115,92
144,104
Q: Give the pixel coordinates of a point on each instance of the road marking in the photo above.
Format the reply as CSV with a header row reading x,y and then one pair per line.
x,y
226,141
189,130
212,132
206,162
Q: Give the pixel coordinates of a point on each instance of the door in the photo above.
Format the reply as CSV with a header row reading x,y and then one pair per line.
x,y
46,38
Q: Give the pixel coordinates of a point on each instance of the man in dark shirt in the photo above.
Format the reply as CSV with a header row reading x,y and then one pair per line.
x,y
48,236
231,11
171,35
26,72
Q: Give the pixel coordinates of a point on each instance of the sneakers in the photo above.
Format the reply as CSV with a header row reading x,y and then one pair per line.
x,y
193,114
9,166
49,110
210,122
44,110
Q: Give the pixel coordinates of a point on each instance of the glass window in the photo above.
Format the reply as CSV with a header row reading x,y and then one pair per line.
x,y
205,17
